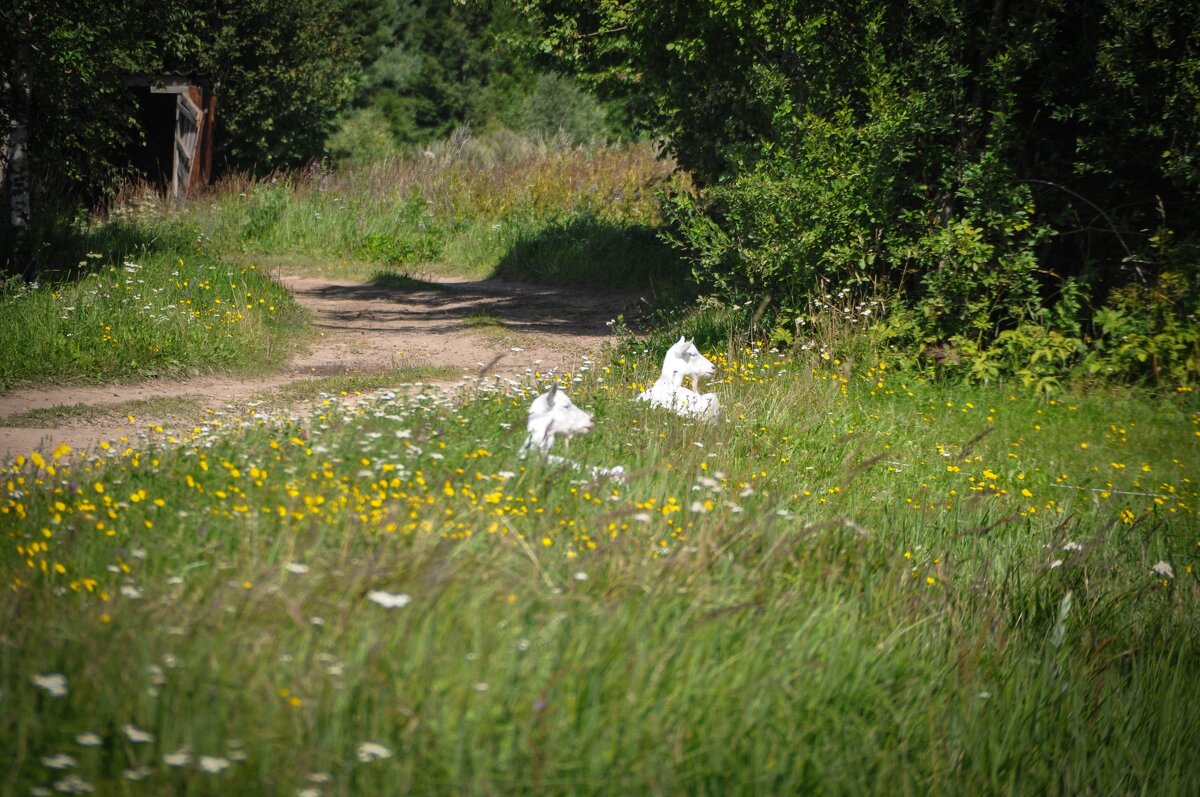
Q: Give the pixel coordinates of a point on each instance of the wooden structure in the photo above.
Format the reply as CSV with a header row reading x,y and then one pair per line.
x,y
191,143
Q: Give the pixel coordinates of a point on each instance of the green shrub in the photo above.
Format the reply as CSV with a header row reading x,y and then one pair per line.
x,y
555,102
1150,330
365,136
990,168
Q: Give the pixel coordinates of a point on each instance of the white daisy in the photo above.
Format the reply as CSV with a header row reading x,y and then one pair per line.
x,y
136,734
54,683
140,773
389,600
73,784
180,758
372,751
1164,569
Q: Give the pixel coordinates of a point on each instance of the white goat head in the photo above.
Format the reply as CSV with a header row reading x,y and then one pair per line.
x,y
684,359
551,414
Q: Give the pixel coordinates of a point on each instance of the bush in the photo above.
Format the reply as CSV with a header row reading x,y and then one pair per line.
x,y
363,137
555,103
993,167
835,214
1150,330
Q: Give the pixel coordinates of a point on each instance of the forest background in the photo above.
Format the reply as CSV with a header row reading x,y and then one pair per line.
x,y
1008,189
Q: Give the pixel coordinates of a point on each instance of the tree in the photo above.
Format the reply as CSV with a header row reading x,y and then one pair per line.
x,y
430,67
14,170
285,69
996,163
434,66
63,64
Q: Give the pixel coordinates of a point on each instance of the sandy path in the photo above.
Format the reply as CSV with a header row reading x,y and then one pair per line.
x,y
362,329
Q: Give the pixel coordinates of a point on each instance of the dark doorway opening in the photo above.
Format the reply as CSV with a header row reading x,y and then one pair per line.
x,y
154,162
176,114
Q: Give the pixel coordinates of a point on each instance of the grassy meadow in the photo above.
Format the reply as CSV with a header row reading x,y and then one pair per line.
x,y
142,308
855,582
504,205
164,289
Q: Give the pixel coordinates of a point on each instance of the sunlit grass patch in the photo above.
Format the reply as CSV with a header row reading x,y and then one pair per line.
x,y
325,266
404,282
154,314
534,210
493,328
484,321
63,414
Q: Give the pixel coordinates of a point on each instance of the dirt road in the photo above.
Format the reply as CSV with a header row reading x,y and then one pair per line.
x,y
512,328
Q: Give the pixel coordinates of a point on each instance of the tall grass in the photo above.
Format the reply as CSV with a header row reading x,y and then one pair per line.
x,y
158,307
458,207
854,583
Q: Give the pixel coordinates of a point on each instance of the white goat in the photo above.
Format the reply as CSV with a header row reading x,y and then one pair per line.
x,y
551,414
683,359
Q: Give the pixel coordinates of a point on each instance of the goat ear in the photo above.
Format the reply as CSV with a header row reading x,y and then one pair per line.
x,y
681,339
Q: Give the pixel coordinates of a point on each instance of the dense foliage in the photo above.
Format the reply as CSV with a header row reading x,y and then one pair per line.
x,y
62,84
1017,177
429,68
77,56
282,68
285,69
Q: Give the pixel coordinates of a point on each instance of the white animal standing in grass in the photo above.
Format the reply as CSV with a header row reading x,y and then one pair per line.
x,y
683,359
552,414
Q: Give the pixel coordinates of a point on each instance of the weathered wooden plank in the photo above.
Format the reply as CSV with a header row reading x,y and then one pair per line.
x,y
187,107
